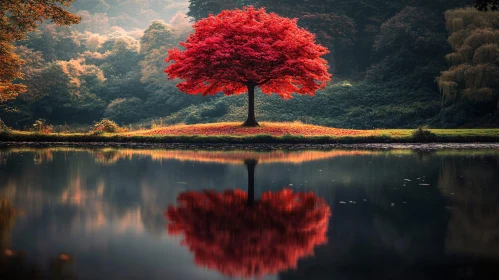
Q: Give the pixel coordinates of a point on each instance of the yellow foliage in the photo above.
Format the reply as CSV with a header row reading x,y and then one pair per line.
x,y
448,90
94,41
474,74
18,17
76,69
482,95
470,17
455,58
466,53
481,75
455,73
481,37
486,54
457,38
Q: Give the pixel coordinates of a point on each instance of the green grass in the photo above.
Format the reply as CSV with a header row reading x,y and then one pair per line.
x,y
378,136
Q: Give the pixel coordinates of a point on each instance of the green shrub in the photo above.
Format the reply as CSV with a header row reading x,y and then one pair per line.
x,y
423,134
106,126
40,126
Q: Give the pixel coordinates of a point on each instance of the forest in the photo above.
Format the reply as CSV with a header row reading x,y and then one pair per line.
x,y
395,64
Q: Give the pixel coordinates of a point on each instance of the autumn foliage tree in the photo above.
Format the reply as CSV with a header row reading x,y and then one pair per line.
x,y
474,72
239,50
18,17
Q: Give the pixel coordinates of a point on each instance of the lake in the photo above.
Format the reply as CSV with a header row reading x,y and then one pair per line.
x,y
163,213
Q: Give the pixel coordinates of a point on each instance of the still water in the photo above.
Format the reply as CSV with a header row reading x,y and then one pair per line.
x,y
105,213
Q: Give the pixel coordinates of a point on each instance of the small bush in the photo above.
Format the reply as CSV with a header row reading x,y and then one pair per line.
x,y
40,126
4,128
106,126
423,134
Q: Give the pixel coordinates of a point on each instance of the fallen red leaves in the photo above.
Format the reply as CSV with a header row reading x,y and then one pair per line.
x,y
235,129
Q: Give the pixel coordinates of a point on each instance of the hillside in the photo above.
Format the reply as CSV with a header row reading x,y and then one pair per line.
x,y
359,106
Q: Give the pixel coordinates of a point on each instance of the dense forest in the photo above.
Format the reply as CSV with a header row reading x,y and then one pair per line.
x,y
398,63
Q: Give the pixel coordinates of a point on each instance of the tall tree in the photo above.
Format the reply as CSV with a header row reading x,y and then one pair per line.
x,y
55,42
163,98
239,50
18,17
410,49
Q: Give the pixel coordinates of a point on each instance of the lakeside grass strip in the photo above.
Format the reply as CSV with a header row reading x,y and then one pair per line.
x,y
233,133
261,138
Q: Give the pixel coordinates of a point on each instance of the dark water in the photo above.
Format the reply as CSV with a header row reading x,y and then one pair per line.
x,y
75,213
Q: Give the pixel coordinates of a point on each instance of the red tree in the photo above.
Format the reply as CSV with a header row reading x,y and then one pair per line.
x,y
228,235
239,50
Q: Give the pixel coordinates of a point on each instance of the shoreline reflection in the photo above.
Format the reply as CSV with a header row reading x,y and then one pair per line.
x,y
397,214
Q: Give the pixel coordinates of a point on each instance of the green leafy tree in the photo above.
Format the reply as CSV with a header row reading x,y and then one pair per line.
x,y
120,64
409,49
53,90
156,36
125,110
55,42
199,9
122,58
163,98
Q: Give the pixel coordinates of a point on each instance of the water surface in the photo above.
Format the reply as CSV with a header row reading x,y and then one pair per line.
x,y
99,213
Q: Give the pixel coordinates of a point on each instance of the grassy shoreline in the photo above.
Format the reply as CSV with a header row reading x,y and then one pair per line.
x,y
382,136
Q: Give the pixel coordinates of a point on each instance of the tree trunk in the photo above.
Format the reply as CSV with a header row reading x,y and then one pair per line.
x,y
250,165
251,121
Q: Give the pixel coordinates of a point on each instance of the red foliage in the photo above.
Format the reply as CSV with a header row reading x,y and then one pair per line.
x,y
240,241
241,48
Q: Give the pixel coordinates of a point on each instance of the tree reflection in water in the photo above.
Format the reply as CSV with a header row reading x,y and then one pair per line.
x,y
239,236
441,223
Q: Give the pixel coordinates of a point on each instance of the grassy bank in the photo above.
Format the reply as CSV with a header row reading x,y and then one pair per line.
x,y
267,133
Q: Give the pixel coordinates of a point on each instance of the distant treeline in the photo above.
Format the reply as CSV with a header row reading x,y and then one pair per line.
x,y
407,63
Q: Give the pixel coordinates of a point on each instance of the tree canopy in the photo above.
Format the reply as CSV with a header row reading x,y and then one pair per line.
x,y
474,71
18,17
240,49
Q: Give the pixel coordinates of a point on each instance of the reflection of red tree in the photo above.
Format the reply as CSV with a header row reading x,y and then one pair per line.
x,y
269,236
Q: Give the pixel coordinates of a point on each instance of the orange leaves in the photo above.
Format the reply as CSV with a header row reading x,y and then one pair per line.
x,y
10,69
249,46
18,17
240,241
111,156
